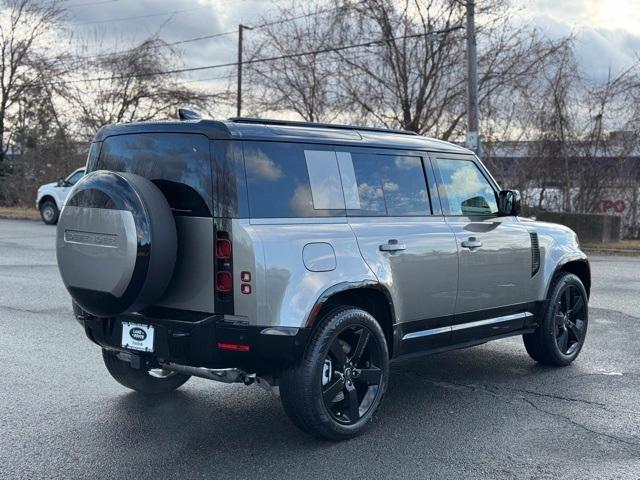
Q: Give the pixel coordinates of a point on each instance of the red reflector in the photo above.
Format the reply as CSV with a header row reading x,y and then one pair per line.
x,y
233,346
223,249
224,282
245,276
245,288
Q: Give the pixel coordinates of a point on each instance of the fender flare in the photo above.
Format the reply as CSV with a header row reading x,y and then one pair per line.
x,y
575,257
343,287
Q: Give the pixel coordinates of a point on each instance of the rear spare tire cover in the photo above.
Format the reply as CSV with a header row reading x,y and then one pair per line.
x,y
116,243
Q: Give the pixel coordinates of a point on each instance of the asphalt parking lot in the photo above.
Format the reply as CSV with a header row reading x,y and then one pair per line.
x,y
484,412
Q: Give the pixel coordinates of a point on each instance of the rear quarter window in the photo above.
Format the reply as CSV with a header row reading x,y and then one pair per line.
x,y
279,180
179,165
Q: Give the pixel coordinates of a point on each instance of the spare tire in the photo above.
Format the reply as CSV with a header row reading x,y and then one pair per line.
x,y
116,243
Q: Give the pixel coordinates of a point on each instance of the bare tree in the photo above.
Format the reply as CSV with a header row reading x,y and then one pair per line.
x,y
130,86
416,78
25,58
304,84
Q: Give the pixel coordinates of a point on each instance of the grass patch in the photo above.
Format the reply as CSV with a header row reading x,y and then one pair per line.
x,y
22,213
632,246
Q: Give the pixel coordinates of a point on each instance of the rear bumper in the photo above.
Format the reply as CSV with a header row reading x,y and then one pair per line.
x,y
205,342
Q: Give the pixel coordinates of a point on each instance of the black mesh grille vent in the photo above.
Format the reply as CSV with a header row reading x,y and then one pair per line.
x,y
535,254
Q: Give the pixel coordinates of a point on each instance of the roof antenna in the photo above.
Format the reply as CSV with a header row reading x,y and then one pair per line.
x,y
184,114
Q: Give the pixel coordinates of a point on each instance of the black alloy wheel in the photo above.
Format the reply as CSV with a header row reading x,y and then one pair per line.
x,y
562,328
337,386
570,320
351,375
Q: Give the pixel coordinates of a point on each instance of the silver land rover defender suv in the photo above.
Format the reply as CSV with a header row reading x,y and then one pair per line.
x,y
305,257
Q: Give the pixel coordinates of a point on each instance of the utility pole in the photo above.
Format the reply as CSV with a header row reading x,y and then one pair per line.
x,y
239,90
473,135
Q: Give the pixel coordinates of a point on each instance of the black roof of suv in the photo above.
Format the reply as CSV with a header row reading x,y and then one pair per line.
x,y
263,129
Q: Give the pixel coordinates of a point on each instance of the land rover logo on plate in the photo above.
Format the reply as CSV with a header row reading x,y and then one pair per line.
x,y
138,334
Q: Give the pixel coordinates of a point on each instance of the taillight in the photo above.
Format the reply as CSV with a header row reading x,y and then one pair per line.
x,y
224,282
223,273
224,250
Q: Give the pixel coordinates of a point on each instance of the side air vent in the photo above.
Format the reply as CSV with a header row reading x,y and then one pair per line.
x,y
535,253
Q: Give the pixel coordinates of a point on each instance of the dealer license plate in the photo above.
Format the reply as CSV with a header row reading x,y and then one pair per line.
x,y
136,336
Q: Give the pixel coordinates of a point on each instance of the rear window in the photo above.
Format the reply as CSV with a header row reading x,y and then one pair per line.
x,y
177,163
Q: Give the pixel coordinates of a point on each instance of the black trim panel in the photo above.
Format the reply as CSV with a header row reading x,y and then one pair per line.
x,y
420,337
472,343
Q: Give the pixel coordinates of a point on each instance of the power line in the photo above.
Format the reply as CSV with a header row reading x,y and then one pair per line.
x,y
87,4
137,17
257,60
220,34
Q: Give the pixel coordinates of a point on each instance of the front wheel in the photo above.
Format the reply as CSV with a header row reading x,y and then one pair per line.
x,y
49,212
144,380
563,329
338,385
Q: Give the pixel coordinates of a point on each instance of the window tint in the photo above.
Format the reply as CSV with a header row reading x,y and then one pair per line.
x,y
369,183
386,185
324,177
281,176
467,191
230,197
177,163
73,179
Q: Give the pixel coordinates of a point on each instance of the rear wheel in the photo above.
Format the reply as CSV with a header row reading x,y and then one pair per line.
x,y
339,384
49,212
144,380
562,332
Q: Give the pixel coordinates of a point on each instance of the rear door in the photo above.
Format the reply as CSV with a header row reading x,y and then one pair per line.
x,y
179,165
404,240
494,251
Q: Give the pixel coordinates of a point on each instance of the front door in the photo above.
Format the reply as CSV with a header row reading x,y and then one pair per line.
x,y
405,242
494,252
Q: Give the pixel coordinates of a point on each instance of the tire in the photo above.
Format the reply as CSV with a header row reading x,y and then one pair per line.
x,y
49,212
139,379
336,388
561,334
116,243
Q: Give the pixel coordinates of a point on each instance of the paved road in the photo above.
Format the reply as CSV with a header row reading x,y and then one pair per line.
x,y
484,412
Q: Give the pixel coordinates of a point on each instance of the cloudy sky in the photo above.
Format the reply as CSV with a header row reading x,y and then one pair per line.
x,y
607,31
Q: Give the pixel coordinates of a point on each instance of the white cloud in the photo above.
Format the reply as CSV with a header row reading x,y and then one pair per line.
x,y
606,31
390,186
261,167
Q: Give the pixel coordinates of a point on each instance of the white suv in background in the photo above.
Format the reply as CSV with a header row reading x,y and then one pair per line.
x,y
51,196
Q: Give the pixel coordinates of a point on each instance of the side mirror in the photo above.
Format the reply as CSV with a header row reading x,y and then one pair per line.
x,y
61,182
509,203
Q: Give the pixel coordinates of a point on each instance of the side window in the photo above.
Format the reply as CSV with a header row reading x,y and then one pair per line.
x,y
73,179
386,185
466,189
287,180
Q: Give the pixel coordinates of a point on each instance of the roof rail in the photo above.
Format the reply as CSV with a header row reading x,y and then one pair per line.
x,y
337,126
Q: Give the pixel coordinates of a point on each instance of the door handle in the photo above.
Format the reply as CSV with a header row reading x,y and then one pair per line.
x,y
472,243
392,246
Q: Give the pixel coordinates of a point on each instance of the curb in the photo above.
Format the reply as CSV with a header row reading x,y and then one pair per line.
x,y
17,217
612,251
